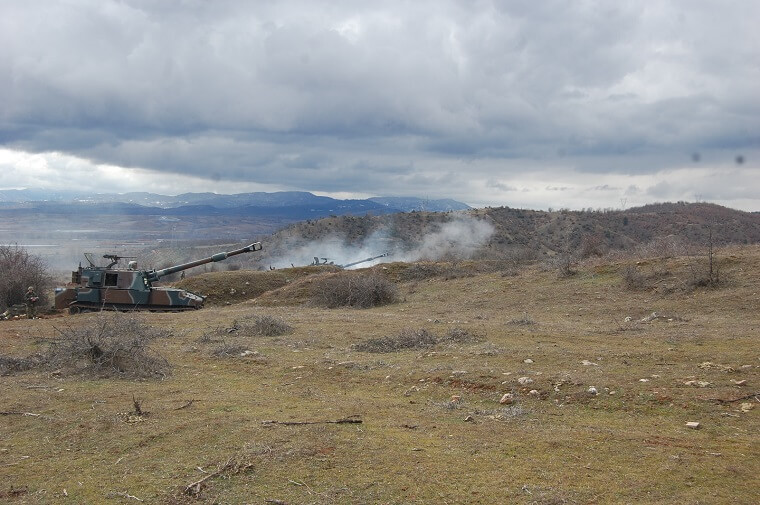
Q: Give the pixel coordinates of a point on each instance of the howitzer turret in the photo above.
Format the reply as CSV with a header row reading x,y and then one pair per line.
x,y
108,288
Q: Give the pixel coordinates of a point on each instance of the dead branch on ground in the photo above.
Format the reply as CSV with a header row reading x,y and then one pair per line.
x,y
346,420
26,414
732,400
194,489
186,405
114,494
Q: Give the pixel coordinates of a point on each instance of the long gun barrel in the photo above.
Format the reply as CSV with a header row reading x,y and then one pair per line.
x,y
154,275
365,260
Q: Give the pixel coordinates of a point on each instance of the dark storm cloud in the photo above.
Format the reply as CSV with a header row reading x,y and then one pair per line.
x,y
446,98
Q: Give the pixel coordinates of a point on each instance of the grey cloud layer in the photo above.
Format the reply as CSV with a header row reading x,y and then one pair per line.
x,y
331,96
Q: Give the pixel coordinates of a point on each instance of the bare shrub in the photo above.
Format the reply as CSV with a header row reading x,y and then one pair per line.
x,y
563,264
19,271
227,350
10,365
592,245
525,320
414,339
633,278
266,326
358,290
504,413
112,344
458,336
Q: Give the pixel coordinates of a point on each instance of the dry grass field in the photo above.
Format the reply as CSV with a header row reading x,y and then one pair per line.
x,y
403,403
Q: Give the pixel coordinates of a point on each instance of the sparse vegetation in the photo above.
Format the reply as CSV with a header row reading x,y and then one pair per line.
x,y
265,326
600,391
112,344
230,350
354,289
414,339
633,278
19,271
524,320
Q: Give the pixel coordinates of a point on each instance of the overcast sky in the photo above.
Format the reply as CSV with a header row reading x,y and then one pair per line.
x,y
532,104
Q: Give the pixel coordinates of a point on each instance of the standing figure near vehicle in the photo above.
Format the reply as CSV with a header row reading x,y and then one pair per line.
x,y
31,299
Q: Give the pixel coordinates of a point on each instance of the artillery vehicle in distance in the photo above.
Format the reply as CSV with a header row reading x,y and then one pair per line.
x,y
108,288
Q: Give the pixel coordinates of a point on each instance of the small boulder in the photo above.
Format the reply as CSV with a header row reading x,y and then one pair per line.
x,y
507,399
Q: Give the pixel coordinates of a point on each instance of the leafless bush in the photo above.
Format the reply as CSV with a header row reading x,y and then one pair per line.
x,y
666,247
112,344
525,320
408,339
227,351
563,264
458,336
10,365
633,278
592,245
266,326
358,290
19,271
414,339
504,413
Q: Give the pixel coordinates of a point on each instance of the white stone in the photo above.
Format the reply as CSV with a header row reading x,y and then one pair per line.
x,y
693,425
507,399
524,380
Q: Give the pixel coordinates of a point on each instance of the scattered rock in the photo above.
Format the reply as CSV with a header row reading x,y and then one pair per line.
x,y
528,361
739,382
628,319
533,392
507,399
586,362
746,407
701,384
693,425
708,365
469,419
455,398
524,381
643,380
592,391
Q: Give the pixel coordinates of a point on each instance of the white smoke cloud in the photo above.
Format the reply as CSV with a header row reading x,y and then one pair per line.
x,y
456,239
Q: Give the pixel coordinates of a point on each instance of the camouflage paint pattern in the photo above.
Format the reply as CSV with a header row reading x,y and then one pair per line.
x,y
96,288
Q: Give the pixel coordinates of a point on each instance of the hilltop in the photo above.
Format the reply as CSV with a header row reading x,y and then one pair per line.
x,y
483,383
499,233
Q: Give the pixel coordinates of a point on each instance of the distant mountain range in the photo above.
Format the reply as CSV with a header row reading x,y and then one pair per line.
x,y
290,204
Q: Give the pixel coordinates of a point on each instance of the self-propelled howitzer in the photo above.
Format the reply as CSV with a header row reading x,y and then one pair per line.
x,y
108,288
